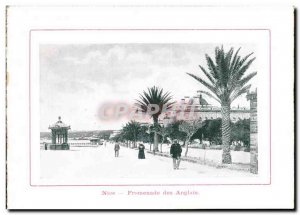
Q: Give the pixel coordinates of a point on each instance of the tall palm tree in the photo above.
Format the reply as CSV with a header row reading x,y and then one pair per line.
x,y
226,81
154,96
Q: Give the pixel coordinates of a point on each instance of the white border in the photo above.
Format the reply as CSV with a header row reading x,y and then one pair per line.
x,y
279,19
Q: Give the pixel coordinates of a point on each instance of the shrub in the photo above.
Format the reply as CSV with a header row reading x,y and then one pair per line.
x,y
202,146
236,148
247,149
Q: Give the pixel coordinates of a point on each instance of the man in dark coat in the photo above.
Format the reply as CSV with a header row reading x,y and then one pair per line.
x,y
175,152
117,148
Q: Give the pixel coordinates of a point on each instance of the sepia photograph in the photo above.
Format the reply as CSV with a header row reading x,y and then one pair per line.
x,y
148,111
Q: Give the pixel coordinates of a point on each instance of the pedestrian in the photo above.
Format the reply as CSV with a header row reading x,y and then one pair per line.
x,y
117,148
141,154
175,152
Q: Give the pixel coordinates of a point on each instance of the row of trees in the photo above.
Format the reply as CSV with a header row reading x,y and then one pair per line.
x,y
211,131
225,80
187,132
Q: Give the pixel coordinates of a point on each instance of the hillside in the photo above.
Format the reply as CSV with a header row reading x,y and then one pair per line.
x,y
102,134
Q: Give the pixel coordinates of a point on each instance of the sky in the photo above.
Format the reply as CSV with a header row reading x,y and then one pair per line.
x,y
76,80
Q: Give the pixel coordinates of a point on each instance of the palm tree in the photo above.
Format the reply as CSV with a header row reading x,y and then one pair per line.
x,y
226,81
131,131
154,96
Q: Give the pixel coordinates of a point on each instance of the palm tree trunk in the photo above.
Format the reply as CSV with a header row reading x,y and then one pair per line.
x,y
225,111
155,146
134,143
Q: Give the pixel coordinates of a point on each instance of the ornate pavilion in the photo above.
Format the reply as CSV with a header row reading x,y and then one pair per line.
x,y
59,136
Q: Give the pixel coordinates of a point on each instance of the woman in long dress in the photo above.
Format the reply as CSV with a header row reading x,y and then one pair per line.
x,y
141,151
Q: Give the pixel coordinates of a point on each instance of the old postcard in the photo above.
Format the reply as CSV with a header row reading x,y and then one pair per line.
x,y
150,108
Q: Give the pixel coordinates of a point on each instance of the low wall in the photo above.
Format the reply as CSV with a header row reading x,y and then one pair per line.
x,y
58,147
209,162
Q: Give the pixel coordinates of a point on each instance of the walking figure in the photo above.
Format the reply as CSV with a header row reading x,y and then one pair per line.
x,y
117,148
141,151
175,152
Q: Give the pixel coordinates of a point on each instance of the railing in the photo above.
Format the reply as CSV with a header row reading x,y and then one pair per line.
x,y
42,145
84,144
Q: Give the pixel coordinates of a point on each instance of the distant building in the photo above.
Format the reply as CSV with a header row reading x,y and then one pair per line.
x,y
95,140
193,108
114,133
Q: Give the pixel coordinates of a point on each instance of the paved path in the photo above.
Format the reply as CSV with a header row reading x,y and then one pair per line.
x,y
91,164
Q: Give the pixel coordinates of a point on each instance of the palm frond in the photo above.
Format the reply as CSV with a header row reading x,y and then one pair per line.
x,y
229,56
212,80
203,82
239,92
154,96
240,83
212,67
226,74
243,60
244,68
235,59
247,78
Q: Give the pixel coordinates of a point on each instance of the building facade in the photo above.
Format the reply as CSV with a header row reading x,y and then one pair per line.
x,y
196,108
